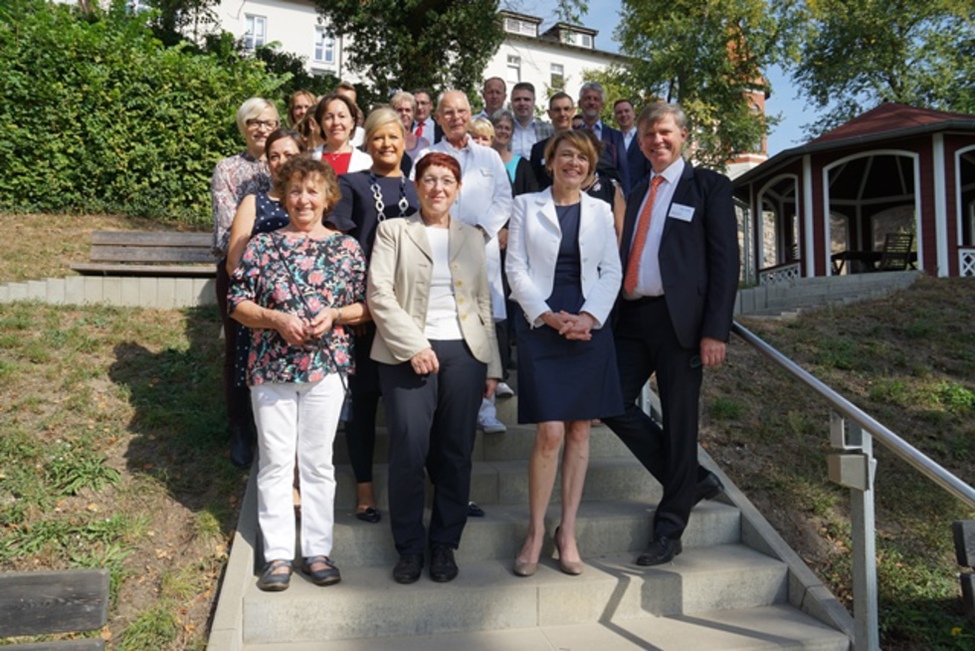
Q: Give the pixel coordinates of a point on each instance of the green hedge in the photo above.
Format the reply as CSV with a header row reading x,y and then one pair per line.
x,y
98,116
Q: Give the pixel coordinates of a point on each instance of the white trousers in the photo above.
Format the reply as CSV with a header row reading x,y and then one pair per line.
x,y
296,420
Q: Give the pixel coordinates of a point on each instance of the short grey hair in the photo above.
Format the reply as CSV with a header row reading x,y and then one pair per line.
x,y
250,109
502,114
402,96
592,85
452,90
656,111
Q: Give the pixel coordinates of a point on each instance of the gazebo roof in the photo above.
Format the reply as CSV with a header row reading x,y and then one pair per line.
x,y
888,121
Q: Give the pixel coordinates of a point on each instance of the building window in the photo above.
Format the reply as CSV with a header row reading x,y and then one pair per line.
x,y
514,69
324,46
256,35
516,26
575,38
558,76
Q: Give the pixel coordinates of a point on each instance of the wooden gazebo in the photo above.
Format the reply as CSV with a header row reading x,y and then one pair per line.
x,y
835,204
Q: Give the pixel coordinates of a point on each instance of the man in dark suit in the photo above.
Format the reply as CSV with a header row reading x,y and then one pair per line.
x,y
560,111
591,101
679,250
424,126
637,165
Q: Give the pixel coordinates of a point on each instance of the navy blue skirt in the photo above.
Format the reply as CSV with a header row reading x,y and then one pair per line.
x,y
560,379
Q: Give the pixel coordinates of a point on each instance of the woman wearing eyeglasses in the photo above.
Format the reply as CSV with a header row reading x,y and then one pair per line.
x,y
234,178
438,356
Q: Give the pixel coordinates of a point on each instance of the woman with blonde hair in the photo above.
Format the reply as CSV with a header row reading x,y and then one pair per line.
x,y
370,197
234,178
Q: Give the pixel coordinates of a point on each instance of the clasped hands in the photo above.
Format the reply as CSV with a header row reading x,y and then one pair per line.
x,y
301,332
575,327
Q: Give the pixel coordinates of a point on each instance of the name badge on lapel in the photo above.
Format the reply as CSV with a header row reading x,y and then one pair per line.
x,y
681,212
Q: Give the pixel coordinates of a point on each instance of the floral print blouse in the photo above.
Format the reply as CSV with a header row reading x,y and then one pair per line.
x,y
234,178
330,272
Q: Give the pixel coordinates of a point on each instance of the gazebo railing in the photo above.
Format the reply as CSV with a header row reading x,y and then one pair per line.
x,y
966,262
780,273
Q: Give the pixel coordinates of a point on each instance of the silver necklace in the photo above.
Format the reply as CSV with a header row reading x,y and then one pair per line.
x,y
377,194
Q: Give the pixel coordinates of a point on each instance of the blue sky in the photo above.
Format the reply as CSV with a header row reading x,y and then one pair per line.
x,y
604,16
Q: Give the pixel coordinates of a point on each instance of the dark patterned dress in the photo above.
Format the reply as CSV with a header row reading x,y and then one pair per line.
x,y
269,216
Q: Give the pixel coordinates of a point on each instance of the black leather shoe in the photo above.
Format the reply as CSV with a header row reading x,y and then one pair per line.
x,y
443,568
271,580
708,488
327,575
241,453
661,550
408,568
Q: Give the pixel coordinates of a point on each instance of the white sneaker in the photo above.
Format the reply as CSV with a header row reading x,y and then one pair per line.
x,y
487,418
503,390
491,425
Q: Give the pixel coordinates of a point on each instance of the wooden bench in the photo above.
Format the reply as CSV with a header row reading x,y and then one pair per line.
x,y
149,253
43,603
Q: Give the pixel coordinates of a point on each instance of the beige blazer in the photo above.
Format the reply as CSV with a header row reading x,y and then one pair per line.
x,y
399,291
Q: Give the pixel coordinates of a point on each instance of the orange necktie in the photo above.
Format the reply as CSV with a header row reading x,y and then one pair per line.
x,y
642,228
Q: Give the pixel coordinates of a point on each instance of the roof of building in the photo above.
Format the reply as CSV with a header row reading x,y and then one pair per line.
x,y
889,121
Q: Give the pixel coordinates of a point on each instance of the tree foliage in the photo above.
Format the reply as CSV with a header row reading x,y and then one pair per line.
x,y
98,115
707,56
858,53
410,44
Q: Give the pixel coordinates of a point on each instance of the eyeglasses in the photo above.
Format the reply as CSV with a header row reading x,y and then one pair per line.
x,y
254,123
444,181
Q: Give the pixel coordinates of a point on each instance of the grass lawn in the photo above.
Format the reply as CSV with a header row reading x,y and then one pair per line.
x,y
113,454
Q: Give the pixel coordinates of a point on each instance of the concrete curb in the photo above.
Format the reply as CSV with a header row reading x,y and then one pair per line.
x,y
806,591
226,632
122,291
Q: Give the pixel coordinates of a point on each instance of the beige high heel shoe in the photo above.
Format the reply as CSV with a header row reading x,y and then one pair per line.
x,y
573,568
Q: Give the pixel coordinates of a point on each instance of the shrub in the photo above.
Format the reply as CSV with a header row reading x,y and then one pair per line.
x,y
99,116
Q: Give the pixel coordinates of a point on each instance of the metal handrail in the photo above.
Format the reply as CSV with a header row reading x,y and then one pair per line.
x,y
904,450
856,472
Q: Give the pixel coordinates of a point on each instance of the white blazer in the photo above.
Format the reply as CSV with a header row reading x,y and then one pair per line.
x,y
534,236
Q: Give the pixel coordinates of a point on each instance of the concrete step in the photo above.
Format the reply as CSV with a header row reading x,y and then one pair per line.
x,y
748,629
506,482
487,596
515,444
604,527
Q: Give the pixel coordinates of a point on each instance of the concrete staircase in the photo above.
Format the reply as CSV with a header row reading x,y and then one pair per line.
x,y
787,299
735,586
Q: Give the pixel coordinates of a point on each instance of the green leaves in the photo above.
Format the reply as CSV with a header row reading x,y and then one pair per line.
x,y
413,44
99,116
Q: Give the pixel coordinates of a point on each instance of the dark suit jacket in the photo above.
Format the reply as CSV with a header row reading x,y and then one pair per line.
x,y
698,258
637,164
614,147
537,160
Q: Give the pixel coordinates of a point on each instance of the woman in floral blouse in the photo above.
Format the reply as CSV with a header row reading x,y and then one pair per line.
x,y
298,289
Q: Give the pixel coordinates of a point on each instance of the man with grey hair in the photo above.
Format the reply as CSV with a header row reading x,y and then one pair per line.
x,y
591,101
679,249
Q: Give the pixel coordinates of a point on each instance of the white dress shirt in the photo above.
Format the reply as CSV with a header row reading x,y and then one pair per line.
x,y
648,281
522,139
